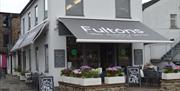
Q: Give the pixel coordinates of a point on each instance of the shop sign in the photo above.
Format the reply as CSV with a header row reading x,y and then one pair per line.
x,y
46,83
133,74
106,30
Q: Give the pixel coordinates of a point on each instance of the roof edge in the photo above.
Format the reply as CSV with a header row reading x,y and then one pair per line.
x,y
28,5
150,3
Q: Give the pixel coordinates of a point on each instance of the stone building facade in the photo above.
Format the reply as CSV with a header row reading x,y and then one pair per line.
x,y
9,33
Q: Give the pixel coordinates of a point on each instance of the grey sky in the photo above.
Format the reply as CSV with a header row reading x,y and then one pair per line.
x,y
15,6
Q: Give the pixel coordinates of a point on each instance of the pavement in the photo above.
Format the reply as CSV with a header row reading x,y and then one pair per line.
x,y
12,83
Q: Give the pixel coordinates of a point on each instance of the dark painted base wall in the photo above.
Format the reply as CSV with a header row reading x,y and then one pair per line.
x,y
104,87
170,85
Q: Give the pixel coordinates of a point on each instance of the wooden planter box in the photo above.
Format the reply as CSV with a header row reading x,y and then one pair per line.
x,y
169,76
115,80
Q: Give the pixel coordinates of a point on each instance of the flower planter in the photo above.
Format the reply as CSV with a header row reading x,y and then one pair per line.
x,y
169,76
16,73
89,81
81,81
22,78
115,80
65,79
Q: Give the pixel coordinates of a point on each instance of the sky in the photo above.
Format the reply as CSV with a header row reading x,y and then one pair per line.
x,y
16,6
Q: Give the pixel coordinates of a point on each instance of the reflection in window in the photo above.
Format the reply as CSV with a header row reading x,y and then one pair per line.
x,y
36,15
122,8
23,25
74,7
45,9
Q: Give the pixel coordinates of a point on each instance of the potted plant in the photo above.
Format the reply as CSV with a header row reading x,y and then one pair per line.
x,y
170,73
65,75
114,75
84,76
17,71
22,75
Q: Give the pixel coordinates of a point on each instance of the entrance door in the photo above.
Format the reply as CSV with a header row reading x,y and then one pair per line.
x,y
107,55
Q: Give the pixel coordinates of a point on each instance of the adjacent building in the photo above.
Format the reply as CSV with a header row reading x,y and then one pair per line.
x,y
56,34
9,32
163,16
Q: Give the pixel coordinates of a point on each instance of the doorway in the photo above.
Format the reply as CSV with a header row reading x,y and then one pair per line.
x,y
107,52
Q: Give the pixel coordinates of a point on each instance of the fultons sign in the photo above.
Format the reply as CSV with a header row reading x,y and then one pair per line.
x,y
106,30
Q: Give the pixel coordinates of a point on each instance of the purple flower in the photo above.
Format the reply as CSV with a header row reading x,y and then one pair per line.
x,y
77,71
85,68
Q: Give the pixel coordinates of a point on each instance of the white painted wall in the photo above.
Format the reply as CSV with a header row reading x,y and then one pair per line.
x,y
95,9
40,4
157,17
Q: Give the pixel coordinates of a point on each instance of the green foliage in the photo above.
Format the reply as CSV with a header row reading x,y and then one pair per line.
x,y
18,69
83,72
114,71
66,72
90,74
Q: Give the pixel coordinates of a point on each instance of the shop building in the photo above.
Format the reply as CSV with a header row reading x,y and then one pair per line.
x,y
163,17
70,33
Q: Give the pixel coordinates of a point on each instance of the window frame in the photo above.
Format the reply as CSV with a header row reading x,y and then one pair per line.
x,y
29,20
45,9
30,59
46,59
23,26
36,59
116,9
36,14
173,21
70,14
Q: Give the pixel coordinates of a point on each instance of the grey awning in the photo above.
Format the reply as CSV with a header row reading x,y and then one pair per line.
x,y
30,36
19,41
110,31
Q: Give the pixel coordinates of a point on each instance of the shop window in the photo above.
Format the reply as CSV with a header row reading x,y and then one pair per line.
x,y
29,59
124,55
45,9
6,21
138,57
74,53
6,40
74,7
173,21
36,59
36,15
46,59
122,8
24,61
14,60
59,58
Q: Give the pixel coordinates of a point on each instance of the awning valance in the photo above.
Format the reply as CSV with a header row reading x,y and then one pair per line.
x,y
30,36
110,31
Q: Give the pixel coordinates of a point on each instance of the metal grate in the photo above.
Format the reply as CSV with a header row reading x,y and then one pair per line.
x,y
4,89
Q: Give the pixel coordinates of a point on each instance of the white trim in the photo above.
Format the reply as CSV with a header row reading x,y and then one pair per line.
x,y
76,17
121,41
